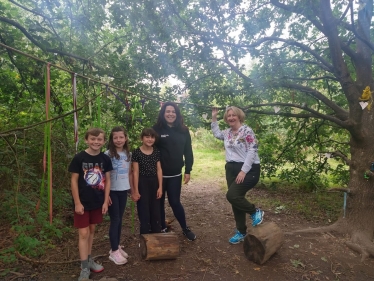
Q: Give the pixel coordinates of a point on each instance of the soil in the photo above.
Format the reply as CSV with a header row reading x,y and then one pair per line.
x,y
210,257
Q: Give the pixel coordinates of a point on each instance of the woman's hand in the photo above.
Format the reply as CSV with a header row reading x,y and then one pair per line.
x,y
214,114
187,178
240,177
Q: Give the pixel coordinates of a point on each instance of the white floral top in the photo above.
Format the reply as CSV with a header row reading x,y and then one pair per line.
x,y
240,147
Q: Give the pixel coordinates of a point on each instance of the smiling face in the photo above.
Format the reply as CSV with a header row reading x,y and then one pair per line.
x,y
95,143
170,115
119,140
148,140
233,120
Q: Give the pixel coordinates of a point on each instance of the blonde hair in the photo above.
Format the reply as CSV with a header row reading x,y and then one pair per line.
x,y
237,111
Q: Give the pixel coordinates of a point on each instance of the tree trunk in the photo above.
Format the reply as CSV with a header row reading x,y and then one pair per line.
x,y
359,221
262,242
159,246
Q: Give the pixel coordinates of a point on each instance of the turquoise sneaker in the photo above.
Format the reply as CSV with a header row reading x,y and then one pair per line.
x,y
237,238
257,217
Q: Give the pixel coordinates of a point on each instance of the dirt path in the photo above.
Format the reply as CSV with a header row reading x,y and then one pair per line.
x,y
211,257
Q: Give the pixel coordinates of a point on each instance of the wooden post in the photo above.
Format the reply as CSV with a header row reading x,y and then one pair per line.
x,y
159,246
262,242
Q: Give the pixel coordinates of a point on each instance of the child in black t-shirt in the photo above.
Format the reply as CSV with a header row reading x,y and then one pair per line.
x,y
147,183
90,186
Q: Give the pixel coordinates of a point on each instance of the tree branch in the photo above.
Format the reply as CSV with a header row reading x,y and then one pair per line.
x,y
342,156
339,189
305,62
340,112
313,112
38,44
278,39
312,79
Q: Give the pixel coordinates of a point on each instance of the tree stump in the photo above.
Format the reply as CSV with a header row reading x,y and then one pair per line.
x,y
159,246
262,242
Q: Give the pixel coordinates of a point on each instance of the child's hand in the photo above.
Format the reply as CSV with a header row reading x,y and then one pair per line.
x,y
104,208
135,196
79,209
159,193
109,201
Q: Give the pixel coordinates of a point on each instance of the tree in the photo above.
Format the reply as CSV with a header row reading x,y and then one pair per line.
x,y
312,59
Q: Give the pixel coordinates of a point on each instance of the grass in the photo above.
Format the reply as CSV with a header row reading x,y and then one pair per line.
x,y
209,165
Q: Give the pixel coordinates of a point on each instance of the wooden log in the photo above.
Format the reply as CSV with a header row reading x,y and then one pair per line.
x,y
159,246
262,242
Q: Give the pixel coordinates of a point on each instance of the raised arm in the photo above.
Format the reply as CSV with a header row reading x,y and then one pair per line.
x,y
215,129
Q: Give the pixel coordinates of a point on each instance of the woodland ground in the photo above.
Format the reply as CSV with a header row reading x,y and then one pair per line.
x,y
210,257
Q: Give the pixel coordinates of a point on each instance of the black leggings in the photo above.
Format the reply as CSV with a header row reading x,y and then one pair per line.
x,y
172,186
116,210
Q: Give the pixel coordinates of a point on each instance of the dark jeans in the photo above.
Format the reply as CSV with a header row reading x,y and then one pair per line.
x,y
148,205
172,186
116,210
236,192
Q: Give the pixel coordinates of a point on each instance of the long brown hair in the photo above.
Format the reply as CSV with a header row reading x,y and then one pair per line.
x,y
112,148
178,123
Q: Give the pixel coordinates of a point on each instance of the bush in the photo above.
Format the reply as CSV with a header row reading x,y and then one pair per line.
x,y
204,139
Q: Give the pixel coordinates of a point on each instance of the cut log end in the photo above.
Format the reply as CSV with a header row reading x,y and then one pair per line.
x,y
262,242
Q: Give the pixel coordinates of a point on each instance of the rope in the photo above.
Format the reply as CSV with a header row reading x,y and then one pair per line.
x,y
76,137
47,157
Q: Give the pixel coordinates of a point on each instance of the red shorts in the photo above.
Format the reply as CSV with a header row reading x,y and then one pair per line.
x,y
88,217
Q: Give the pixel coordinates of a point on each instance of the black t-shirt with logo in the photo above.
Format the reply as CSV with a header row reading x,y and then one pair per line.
x,y
91,181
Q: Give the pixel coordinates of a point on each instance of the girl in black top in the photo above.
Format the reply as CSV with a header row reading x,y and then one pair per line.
x,y
147,183
174,143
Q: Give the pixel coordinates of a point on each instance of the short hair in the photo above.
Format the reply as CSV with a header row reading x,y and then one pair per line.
x,y
94,132
237,111
148,132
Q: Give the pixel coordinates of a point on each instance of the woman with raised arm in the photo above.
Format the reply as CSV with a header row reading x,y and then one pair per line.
x,y
242,167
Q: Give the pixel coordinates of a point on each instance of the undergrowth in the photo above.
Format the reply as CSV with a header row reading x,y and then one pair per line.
x,y
290,198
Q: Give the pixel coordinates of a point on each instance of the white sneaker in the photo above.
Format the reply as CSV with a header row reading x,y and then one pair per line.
x,y
117,258
123,253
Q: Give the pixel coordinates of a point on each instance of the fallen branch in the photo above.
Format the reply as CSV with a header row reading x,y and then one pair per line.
x,y
26,259
322,229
